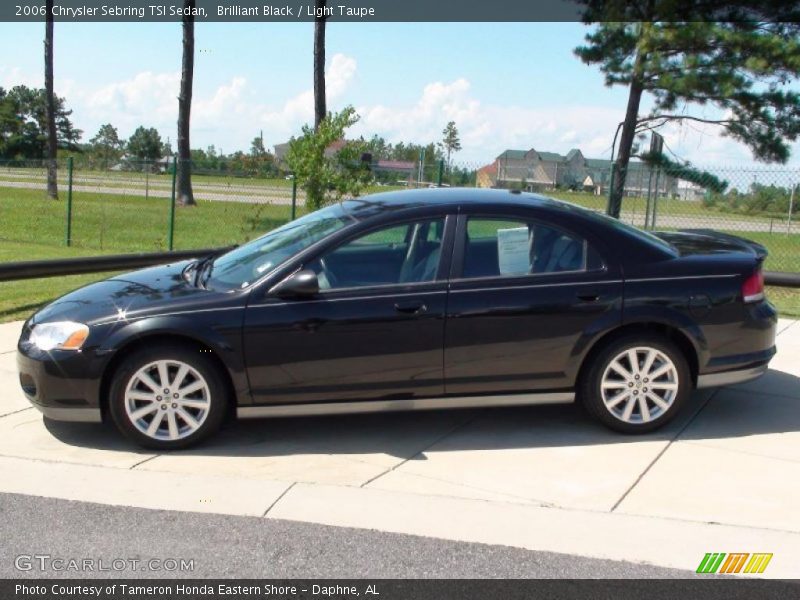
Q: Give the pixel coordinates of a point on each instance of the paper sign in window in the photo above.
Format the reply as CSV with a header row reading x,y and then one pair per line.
x,y
514,251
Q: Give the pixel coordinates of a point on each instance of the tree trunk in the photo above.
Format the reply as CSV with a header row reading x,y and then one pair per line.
x,y
320,109
620,167
184,175
50,106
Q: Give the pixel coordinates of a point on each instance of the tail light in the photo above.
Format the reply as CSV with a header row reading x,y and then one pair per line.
x,y
753,287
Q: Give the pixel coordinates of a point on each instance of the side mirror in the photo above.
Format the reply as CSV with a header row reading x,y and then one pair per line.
x,y
301,284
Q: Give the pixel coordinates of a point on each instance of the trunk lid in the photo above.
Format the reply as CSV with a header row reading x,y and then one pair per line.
x,y
706,241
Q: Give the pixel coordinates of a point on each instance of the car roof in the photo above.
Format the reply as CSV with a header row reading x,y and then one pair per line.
x,y
369,206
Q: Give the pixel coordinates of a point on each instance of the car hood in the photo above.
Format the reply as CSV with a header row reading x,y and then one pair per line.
x,y
137,293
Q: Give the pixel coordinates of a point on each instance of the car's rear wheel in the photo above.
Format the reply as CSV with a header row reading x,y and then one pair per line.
x,y
636,383
167,397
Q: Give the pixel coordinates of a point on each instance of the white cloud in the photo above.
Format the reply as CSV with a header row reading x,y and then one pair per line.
x,y
147,95
341,72
227,98
299,110
12,76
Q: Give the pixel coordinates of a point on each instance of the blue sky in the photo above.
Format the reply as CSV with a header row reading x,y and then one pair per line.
x,y
507,85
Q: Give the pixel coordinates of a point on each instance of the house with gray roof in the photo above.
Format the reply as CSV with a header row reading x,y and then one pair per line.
x,y
536,170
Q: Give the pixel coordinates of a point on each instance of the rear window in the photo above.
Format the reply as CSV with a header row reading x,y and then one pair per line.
x,y
507,248
639,234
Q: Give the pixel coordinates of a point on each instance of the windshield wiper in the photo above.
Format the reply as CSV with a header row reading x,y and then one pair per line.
x,y
199,267
204,272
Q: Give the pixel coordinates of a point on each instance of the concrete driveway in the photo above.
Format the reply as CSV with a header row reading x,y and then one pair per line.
x,y
723,477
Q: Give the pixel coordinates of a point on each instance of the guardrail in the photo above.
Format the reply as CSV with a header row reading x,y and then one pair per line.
x,y
780,279
35,269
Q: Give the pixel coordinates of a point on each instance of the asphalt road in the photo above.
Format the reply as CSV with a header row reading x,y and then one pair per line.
x,y
247,547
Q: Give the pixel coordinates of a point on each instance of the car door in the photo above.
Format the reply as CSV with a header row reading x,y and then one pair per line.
x,y
374,331
526,297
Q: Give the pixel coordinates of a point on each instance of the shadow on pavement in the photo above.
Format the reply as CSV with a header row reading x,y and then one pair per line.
x,y
770,405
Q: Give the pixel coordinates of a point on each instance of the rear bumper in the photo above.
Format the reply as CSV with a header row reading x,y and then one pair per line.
x,y
731,377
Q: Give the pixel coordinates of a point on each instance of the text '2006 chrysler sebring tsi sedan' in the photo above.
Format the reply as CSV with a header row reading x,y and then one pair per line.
x,y
409,300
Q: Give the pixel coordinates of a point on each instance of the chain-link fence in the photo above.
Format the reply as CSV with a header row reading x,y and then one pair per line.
x,y
132,206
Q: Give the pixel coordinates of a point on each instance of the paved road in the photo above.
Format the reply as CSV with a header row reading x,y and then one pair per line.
x,y
220,193
251,547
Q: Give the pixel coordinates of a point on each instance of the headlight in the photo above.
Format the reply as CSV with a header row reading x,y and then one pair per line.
x,y
63,335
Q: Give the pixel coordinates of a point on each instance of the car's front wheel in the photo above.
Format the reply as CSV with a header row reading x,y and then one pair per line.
x,y
167,397
636,383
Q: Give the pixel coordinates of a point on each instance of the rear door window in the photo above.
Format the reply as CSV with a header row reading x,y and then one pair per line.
x,y
506,248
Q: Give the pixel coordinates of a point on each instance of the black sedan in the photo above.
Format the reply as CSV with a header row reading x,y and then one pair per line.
x,y
409,300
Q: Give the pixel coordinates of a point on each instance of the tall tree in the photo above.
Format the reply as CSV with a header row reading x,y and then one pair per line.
x,y
50,105
23,123
320,109
145,144
257,148
690,54
106,146
450,140
184,175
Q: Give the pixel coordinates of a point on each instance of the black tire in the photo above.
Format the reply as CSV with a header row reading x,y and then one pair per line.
x,y
590,392
215,395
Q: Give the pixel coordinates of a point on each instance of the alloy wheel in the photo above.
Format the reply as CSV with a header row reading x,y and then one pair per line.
x,y
639,385
167,400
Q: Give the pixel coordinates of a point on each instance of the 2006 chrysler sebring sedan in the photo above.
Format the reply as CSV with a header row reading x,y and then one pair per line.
x,y
408,300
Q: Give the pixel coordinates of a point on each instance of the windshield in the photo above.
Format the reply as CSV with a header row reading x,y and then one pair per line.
x,y
244,265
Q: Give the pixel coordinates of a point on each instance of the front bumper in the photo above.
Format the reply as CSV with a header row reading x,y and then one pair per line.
x,y
63,386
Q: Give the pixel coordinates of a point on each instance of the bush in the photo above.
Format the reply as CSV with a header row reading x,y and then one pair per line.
x,y
328,176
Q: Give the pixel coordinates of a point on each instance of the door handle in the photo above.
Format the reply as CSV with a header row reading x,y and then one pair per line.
x,y
588,297
411,308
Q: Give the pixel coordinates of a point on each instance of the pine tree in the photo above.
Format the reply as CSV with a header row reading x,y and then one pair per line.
x,y
692,54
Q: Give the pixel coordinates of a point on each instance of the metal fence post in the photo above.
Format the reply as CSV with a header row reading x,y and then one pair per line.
x,y
609,210
68,232
648,209
294,196
171,235
655,201
441,172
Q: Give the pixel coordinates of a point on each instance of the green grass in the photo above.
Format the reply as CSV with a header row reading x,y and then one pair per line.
x,y
666,206
132,223
784,249
787,300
